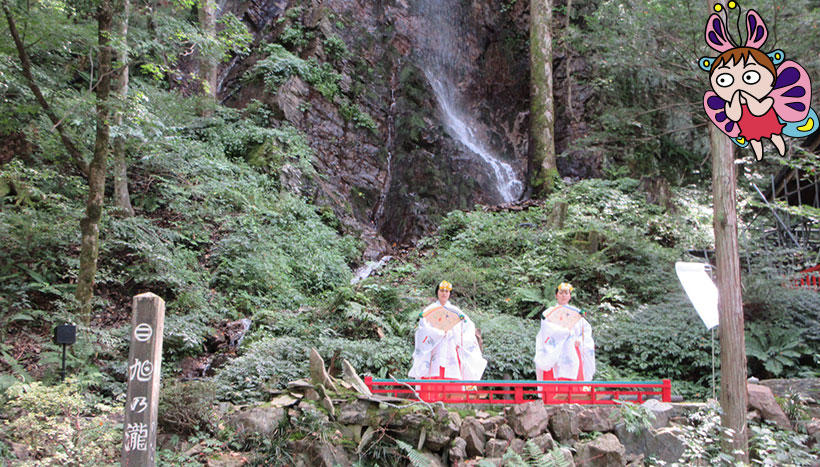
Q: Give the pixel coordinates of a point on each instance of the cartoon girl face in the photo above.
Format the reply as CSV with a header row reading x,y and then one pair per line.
x,y
751,77
754,95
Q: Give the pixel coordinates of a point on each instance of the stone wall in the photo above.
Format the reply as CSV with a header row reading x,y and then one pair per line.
x,y
352,420
349,422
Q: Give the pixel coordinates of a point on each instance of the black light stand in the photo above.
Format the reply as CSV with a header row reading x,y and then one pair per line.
x,y
65,334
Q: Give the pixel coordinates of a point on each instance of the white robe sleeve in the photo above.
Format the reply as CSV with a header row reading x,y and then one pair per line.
x,y
588,351
549,346
428,339
472,362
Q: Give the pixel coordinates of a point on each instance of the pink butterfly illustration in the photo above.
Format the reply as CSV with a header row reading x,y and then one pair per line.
x,y
750,98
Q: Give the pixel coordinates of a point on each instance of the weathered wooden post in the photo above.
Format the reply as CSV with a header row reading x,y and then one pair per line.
x,y
144,361
733,395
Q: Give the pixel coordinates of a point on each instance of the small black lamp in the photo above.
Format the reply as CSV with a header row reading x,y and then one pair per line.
x,y
65,334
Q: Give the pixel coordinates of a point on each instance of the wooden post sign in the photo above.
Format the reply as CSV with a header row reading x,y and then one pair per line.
x,y
144,360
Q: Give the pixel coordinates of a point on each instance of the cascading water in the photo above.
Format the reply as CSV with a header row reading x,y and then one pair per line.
x,y
440,58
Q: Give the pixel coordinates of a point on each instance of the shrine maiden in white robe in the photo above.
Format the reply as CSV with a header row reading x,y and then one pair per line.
x,y
455,351
555,349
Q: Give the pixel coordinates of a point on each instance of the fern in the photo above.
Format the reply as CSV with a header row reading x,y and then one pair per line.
x,y
513,459
555,458
356,311
417,459
534,457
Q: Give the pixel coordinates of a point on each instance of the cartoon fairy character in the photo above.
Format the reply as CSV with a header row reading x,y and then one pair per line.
x,y
750,99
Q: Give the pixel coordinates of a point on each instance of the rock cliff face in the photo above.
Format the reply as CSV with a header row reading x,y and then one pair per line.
x,y
391,180
389,166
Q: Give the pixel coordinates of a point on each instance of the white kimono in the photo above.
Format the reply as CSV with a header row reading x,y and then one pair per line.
x,y
555,349
455,350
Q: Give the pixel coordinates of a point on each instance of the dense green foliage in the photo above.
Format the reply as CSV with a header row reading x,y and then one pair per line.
x,y
62,424
613,246
767,445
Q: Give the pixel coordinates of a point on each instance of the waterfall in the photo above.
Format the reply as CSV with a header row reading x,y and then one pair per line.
x,y
391,125
444,63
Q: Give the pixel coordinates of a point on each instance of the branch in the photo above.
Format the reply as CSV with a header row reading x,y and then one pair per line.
x,y
418,402
26,64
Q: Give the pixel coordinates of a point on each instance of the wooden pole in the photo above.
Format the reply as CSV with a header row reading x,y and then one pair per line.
x,y
733,393
142,401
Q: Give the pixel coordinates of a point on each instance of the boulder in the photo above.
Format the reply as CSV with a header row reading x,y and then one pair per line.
x,y
528,420
491,424
505,432
300,386
544,442
603,451
349,374
312,394
473,433
762,399
317,454
318,373
409,426
353,413
634,441
327,404
458,451
597,419
564,424
665,444
283,400
496,447
446,427
306,408
813,430
806,387
262,420
661,410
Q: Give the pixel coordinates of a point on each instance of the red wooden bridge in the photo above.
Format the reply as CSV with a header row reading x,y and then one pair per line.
x,y
521,391
808,279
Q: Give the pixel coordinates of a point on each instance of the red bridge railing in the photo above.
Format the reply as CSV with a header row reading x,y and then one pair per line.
x,y
808,279
521,391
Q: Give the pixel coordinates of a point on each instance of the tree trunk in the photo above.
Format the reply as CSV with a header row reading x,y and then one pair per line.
x,y
733,393
89,225
122,198
542,114
207,64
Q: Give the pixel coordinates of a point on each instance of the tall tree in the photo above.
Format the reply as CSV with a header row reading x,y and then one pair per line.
x,y
89,225
96,170
122,198
542,113
207,62
733,392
